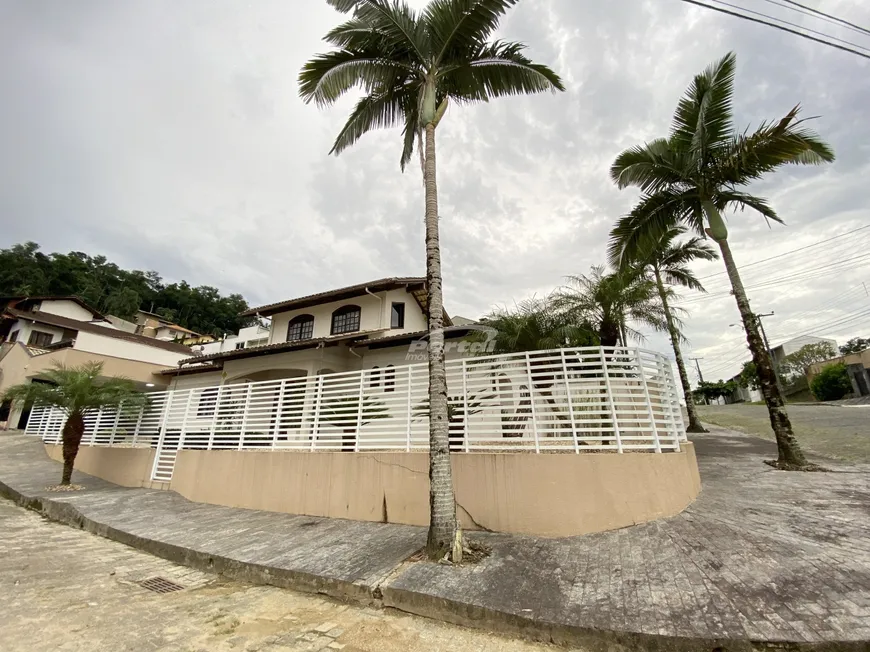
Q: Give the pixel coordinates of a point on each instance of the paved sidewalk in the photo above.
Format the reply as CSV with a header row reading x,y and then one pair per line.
x,y
762,555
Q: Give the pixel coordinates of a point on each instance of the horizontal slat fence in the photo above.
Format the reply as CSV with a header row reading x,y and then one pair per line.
x,y
564,400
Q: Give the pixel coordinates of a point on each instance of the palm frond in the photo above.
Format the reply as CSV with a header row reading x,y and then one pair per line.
x,y
749,156
650,167
734,199
703,119
375,111
326,77
394,21
457,25
496,70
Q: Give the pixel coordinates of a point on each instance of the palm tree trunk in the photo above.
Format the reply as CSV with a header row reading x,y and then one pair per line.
x,y
73,430
442,505
790,454
694,421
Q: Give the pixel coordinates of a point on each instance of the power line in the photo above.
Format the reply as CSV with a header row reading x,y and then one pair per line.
x,y
786,22
822,13
824,17
780,27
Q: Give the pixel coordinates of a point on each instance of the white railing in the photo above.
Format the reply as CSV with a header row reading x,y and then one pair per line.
x,y
564,400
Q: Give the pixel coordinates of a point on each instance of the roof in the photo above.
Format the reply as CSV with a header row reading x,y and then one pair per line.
x,y
74,324
348,292
165,323
6,300
401,338
177,371
279,347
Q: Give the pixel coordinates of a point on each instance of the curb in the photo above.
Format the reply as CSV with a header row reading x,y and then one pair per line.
x,y
412,602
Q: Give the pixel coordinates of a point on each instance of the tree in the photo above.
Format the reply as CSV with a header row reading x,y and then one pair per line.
x,y
78,391
664,260
609,301
855,345
695,174
123,303
537,324
410,65
748,376
712,391
832,383
798,364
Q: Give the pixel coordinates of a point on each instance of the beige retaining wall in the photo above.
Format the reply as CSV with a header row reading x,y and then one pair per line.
x,y
124,466
549,495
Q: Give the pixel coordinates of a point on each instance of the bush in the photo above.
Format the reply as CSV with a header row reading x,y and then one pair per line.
x,y
832,383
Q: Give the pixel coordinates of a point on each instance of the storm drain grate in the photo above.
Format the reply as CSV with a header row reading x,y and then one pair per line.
x,y
160,585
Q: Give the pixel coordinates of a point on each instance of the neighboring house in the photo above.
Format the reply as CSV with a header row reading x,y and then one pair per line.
x,y
150,324
246,338
36,332
366,326
778,353
858,367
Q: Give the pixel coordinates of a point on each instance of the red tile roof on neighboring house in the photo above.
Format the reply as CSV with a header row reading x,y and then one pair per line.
x,y
87,327
337,295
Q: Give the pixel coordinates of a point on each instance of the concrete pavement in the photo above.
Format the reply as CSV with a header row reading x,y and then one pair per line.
x,y
761,556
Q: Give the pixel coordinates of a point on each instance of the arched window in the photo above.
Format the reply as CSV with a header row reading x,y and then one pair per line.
x,y
345,320
300,328
375,377
390,378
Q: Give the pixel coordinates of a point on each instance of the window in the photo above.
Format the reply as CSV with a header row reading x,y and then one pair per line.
x,y
207,402
240,345
390,377
345,320
375,377
397,319
38,338
13,337
300,328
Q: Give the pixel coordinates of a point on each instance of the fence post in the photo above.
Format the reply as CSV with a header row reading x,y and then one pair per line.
x,y
115,424
359,410
318,395
570,402
648,397
184,419
673,402
245,415
279,411
532,403
408,408
138,425
214,418
161,433
464,409
610,403
96,433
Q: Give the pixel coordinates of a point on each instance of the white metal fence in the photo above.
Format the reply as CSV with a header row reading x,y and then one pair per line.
x,y
564,400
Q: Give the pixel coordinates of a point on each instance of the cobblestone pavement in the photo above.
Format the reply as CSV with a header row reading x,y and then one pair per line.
x,y
837,432
64,589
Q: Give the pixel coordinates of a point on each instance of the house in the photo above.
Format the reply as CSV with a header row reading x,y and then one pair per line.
x,y
37,332
366,326
154,325
857,366
778,353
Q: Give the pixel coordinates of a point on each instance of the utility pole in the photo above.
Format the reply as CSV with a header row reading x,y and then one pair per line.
x,y
758,317
700,375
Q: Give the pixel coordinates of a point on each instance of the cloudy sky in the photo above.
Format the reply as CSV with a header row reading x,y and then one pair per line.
x,y
169,135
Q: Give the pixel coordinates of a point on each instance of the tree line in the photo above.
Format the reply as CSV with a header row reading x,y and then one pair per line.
x,y
26,271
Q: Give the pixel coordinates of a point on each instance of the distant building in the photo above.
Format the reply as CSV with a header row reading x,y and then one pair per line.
x,y
778,353
153,325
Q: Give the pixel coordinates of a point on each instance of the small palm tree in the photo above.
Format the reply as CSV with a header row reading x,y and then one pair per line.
x,y
346,413
609,301
664,260
78,391
695,174
410,65
536,324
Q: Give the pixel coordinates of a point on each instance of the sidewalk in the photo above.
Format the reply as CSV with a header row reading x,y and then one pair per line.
x,y
762,555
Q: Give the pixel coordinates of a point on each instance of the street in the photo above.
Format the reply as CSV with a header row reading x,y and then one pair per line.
x,y
65,589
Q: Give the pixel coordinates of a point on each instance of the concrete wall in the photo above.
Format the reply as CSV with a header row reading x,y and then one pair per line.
x,y
374,314
127,467
111,346
548,495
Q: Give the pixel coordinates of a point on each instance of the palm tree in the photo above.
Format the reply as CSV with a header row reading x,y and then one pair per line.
x,y
609,301
78,391
696,173
410,65
665,260
537,324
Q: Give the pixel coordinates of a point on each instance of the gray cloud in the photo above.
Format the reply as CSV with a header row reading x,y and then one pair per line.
x,y
171,137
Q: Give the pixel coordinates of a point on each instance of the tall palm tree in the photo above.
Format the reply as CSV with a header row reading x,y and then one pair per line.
x,y
665,260
695,174
78,391
409,65
609,301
